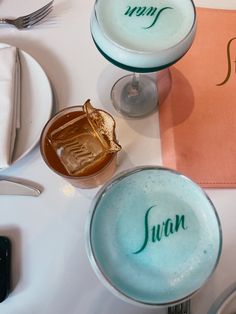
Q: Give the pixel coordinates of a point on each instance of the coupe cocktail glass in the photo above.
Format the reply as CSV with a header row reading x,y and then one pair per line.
x,y
141,37
154,236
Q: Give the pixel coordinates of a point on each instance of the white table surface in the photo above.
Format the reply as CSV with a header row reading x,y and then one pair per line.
x,y
51,272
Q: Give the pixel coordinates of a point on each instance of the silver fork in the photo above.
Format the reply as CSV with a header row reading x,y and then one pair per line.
x,y
182,308
29,20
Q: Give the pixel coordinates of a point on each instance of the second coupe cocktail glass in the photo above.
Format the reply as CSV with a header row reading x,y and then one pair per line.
x,y
141,38
154,237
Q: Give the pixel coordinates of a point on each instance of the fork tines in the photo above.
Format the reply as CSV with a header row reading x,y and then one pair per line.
x,y
38,15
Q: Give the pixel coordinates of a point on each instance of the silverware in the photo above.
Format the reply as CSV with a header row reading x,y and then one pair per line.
x,y
29,20
182,308
9,186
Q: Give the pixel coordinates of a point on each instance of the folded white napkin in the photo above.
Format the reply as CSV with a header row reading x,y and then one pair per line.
x,y
9,102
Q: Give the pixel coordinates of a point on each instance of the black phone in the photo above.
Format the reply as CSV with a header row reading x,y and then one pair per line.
x,y
5,267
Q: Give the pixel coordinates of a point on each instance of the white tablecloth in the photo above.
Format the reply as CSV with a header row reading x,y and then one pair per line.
x,y
51,273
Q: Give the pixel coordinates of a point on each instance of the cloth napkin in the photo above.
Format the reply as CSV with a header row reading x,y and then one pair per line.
x,y
198,117
9,102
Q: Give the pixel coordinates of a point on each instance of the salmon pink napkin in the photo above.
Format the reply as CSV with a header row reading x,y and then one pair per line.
x,y
198,118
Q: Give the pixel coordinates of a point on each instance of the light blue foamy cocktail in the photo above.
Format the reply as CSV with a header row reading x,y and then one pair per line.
x,y
154,236
141,36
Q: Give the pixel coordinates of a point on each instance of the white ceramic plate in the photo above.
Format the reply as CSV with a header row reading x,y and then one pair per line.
x,y
36,105
226,302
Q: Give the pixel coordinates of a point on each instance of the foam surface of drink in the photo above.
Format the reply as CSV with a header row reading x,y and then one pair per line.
x,y
142,243
128,22
143,37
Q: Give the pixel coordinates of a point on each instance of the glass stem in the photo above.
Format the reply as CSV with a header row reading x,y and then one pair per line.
x,y
134,87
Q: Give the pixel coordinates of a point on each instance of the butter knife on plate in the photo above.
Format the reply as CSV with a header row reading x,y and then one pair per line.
x,y
9,186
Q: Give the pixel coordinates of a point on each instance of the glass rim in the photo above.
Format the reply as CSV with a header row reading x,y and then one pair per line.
x,y
92,256
44,131
192,28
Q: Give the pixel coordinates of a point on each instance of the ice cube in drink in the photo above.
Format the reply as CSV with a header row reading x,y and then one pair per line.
x,y
76,145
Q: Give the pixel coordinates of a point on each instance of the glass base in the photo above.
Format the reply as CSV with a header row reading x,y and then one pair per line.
x,y
135,96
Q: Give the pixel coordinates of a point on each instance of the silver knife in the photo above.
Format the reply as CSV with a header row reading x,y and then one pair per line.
x,y
18,187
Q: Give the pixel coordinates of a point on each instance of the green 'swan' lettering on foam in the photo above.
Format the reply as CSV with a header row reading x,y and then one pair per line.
x,y
228,63
157,232
146,11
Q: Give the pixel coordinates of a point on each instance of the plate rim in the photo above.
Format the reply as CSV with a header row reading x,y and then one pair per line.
x,y
28,56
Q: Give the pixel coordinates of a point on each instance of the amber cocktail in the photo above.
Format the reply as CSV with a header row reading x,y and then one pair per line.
x,y
79,143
